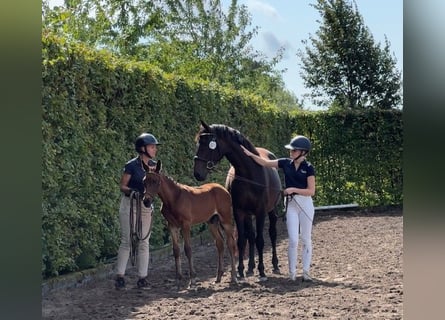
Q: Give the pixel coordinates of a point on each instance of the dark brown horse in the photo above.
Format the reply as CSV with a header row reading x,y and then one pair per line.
x,y
255,189
184,206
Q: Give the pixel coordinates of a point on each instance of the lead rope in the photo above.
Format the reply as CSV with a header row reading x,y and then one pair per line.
x,y
290,197
136,228
286,202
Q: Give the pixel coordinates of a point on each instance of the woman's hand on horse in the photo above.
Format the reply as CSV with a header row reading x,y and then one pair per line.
x,y
247,152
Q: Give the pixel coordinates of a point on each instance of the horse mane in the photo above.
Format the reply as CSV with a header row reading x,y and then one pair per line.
x,y
176,183
170,178
221,130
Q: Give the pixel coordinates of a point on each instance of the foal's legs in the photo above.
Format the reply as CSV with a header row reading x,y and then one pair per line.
x,y
188,252
174,232
231,246
214,229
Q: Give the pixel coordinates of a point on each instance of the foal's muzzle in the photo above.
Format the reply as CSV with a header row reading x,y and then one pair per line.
x,y
147,200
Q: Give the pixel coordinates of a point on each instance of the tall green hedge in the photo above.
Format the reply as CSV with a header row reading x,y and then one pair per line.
x,y
94,105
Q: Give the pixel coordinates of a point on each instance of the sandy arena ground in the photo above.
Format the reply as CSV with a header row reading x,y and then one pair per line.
x,y
357,265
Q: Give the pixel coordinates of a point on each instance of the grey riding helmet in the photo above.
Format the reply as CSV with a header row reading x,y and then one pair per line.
x,y
145,139
299,143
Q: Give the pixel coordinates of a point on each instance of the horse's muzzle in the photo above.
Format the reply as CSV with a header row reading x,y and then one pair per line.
x,y
200,176
200,171
147,202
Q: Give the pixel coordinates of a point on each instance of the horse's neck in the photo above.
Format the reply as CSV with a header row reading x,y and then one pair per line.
x,y
168,190
244,165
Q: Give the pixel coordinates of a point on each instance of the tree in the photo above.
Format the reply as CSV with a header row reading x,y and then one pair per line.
x,y
205,41
117,25
191,38
344,66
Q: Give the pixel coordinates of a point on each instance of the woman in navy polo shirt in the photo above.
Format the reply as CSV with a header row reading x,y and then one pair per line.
x,y
299,178
132,187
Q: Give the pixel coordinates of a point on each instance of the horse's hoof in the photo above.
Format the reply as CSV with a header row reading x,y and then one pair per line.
x,y
249,273
242,280
262,279
276,271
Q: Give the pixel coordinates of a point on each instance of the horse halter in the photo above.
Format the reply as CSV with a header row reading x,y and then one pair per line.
x,y
152,196
210,163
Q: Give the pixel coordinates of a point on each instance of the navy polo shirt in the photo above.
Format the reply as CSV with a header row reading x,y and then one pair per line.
x,y
296,178
135,169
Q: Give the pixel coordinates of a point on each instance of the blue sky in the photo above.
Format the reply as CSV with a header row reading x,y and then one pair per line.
x,y
288,22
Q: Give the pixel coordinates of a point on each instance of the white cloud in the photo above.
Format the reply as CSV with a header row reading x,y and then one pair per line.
x,y
264,8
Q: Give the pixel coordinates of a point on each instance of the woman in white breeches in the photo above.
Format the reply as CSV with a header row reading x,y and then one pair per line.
x,y
299,178
299,218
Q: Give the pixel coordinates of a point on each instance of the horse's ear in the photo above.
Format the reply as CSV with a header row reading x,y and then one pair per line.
x,y
158,166
205,126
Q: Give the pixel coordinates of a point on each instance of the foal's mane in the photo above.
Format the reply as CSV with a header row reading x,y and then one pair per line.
x,y
172,180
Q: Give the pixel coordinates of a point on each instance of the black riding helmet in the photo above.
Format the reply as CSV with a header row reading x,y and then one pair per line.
x,y
299,143
143,140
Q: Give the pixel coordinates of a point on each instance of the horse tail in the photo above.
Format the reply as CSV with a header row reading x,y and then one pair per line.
x,y
229,178
215,220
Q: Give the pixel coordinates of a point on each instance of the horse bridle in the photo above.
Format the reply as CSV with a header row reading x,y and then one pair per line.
x,y
210,163
152,196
